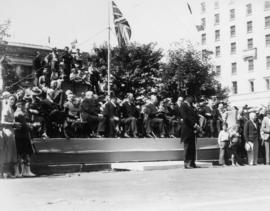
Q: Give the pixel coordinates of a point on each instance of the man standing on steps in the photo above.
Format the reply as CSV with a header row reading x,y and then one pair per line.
x,y
188,133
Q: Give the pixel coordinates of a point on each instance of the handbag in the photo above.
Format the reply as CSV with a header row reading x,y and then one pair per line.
x,y
248,146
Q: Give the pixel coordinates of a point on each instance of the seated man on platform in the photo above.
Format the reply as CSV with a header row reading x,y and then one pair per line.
x,y
72,109
52,115
109,124
90,110
44,80
130,114
170,118
151,119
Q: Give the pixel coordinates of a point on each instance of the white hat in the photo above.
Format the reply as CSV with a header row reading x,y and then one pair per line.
x,y
6,94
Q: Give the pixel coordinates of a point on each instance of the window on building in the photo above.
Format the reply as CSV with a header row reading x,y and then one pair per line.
x,y
266,5
216,4
217,35
217,51
203,7
234,87
233,31
267,21
234,68
267,83
250,65
251,85
249,9
233,48
267,40
203,39
268,62
250,43
217,19
249,26
203,22
232,14
218,70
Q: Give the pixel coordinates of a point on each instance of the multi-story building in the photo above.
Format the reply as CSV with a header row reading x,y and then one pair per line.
x,y
20,57
238,34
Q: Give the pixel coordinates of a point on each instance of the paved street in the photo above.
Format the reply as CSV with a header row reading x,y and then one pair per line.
x,y
216,188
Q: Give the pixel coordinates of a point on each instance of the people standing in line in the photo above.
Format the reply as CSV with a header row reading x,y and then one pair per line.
x,y
23,140
252,134
223,142
265,135
9,148
188,132
235,143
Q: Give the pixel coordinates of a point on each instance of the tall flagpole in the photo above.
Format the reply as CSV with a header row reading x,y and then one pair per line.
x,y
109,48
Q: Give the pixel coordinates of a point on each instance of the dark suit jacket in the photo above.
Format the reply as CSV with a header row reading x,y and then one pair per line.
x,y
110,110
89,107
250,132
151,110
177,111
129,110
190,118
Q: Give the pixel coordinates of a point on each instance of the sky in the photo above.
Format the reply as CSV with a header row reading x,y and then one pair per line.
x,y
160,21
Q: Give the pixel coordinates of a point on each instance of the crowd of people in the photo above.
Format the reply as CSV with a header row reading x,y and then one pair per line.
x,y
46,110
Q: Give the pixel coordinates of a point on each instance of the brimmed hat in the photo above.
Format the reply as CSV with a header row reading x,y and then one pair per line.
x,y
6,94
36,91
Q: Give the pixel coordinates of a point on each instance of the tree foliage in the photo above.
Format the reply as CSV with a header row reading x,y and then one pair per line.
x,y
9,75
3,29
134,68
187,72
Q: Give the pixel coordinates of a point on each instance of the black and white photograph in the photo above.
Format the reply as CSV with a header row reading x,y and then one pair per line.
x,y
129,105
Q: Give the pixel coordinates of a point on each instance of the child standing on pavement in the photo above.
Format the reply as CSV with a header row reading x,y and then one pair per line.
x,y
223,142
235,142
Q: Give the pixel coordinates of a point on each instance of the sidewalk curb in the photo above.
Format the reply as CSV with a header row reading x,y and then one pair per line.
x,y
45,169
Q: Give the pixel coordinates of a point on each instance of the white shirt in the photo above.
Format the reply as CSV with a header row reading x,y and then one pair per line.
x,y
223,136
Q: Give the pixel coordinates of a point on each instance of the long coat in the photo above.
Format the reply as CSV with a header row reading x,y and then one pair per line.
x,y
190,118
251,133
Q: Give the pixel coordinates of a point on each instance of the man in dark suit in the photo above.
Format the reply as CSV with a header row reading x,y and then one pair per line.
x,y
90,110
67,59
188,135
251,135
37,64
177,114
130,115
210,113
111,118
151,119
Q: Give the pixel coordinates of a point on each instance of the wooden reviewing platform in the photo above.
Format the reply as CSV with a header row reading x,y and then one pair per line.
x,y
61,151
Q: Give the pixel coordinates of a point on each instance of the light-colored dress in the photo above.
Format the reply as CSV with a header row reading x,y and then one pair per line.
x,y
9,145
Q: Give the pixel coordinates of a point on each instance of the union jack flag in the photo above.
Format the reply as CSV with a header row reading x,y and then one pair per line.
x,y
122,28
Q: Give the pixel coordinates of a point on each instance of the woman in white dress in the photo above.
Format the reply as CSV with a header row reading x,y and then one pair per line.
x,y
9,147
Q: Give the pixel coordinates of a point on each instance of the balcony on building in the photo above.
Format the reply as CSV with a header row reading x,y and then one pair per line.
x,y
250,54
